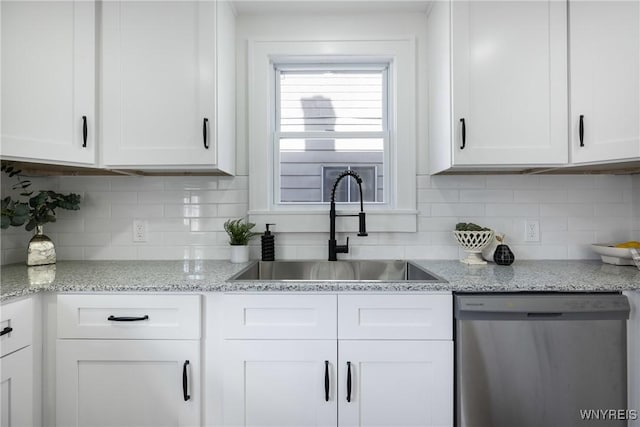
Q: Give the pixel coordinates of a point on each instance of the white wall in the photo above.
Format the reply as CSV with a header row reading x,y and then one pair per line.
x,y
185,214
185,217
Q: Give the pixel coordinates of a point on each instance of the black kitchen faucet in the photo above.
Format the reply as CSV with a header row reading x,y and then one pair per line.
x,y
334,247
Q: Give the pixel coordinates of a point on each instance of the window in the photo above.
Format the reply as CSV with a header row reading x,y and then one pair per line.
x,y
348,191
270,128
329,118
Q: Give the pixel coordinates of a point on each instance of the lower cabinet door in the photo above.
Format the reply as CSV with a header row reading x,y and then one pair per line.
x,y
395,383
127,383
280,383
16,389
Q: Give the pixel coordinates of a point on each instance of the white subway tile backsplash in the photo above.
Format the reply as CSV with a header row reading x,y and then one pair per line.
x,y
436,195
190,211
159,197
540,196
185,217
136,211
457,210
486,196
511,210
594,195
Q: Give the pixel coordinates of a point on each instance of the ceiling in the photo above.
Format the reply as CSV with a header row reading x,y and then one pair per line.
x,y
273,7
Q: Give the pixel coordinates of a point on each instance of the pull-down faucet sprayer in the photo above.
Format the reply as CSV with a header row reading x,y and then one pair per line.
x,y
334,248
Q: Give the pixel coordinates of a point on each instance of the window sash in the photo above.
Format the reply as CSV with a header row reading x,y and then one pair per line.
x,y
384,134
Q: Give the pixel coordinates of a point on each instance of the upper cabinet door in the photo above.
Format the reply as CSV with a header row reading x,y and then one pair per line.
x,y
158,84
48,81
509,69
605,83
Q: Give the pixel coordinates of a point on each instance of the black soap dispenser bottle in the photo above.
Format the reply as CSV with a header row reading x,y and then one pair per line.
x,y
268,245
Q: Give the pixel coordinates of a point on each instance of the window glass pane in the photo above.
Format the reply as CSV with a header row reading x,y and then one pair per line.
x,y
308,168
328,101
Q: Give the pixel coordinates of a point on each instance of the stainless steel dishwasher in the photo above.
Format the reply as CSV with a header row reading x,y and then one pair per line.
x,y
531,360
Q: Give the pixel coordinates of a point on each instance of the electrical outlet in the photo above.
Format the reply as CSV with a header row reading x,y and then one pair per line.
x,y
139,230
531,231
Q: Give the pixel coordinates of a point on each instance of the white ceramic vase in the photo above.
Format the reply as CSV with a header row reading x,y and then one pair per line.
x,y
239,254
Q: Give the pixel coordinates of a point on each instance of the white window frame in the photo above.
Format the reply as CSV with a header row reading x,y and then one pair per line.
x,y
385,134
398,213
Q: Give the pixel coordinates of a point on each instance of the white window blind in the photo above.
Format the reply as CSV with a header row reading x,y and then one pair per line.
x,y
326,117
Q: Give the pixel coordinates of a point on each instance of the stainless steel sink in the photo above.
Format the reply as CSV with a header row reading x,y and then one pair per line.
x,y
378,271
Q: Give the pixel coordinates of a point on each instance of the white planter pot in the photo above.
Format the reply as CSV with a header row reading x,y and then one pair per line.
x,y
239,254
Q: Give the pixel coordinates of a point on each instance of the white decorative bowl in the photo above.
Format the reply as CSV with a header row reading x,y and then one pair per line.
x,y
612,255
473,242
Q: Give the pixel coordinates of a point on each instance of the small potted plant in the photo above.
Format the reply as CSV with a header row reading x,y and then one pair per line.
x,y
239,233
36,210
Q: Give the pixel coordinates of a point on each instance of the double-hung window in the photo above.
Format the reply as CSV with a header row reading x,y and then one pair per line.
x,y
329,118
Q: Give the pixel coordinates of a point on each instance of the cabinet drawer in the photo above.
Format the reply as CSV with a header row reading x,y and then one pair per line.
x,y
129,316
16,320
279,316
411,317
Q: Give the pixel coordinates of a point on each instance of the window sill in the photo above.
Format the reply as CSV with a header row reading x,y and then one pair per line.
x,y
378,221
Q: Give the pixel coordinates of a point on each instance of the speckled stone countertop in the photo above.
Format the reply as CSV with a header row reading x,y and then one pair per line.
x,y
211,276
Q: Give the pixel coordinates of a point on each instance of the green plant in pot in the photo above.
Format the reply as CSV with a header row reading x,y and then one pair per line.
x,y
240,233
34,210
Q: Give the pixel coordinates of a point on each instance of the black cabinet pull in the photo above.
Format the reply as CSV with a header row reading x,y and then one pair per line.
x,y
6,330
185,381
348,381
127,319
85,131
205,122
581,130
464,134
326,380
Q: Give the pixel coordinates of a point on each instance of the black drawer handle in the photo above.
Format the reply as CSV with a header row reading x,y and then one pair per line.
x,y
205,122
326,380
464,134
6,330
127,319
185,381
581,130
85,131
348,381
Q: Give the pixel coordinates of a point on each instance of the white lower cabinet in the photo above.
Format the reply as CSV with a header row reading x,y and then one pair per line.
x,y
18,401
280,383
16,389
395,383
105,378
387,381
127,383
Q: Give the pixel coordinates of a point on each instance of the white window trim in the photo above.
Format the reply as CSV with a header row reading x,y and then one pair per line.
x,y
400,215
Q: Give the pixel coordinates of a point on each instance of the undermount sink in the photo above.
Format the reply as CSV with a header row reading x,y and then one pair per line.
x,y
378,271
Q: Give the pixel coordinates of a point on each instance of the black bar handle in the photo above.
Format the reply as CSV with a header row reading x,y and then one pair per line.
x,y
581,130
326,380
464,134
127,319
6,330
205,122
543,315
348,381
85,131
185,381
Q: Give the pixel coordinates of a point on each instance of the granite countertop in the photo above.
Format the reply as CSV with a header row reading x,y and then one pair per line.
x,y
211,276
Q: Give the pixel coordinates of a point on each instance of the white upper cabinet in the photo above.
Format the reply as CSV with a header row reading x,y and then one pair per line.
x,y
497,84
605,80
168,85
48,81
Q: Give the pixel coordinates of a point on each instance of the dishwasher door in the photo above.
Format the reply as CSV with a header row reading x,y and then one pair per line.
x,y
539,360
